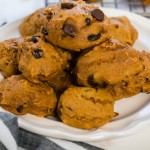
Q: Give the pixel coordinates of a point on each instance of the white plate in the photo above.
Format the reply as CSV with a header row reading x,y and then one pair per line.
x,y
134,112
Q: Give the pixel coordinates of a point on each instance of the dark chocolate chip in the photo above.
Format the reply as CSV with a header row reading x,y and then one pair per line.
x,y
49,15
147,79
94,37
117,26
44,31
98,14
91,81
38,53
103,85
67,5
94,84
69,29
34,39
88,21
19,109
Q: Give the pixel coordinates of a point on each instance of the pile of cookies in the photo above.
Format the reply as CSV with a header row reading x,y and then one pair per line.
x,y
72,61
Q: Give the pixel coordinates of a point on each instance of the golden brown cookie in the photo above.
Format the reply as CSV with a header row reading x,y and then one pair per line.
x,y
75,25
108,63
85,107
123,30
20,96
32,24
9,57
116,66
40,61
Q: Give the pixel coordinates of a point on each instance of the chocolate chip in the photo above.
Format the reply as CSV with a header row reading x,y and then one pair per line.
x,y
44,31
98,14
69,29
67,5
49,15
116,26
19,109
147,79
38,53
103,85
91,81
94,37
94,84
34,39
88,21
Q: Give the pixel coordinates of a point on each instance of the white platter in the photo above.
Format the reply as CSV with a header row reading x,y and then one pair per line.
x,y
134,112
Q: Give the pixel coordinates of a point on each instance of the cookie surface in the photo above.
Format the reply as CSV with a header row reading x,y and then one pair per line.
x,y
20,96
32,24
9,57
75,25
86,108
123,30
40,61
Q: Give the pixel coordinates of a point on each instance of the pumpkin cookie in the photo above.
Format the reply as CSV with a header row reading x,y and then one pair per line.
x,y
40,61
20,97
115,66
9,57
123,30
85,107
32,24
75,25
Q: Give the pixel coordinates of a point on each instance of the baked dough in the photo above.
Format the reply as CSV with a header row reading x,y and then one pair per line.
x,y
75,25
20,97
85,107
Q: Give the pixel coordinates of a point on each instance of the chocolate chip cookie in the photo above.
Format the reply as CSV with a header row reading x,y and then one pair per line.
x,y
32,24
108,63
9,57
115,66
85,107
20,97
75,25
40,61
123,30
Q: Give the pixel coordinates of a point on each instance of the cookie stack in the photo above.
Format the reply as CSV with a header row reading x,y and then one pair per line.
x,y
69,60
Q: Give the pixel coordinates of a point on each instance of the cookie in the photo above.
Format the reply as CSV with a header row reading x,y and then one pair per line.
x,y
136,83
123,30
40,61
32,24
20,97
107,63
85,107
9,57
115,66
75,25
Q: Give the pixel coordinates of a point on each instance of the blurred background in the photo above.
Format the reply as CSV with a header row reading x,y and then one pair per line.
x,y
12,10
138,6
